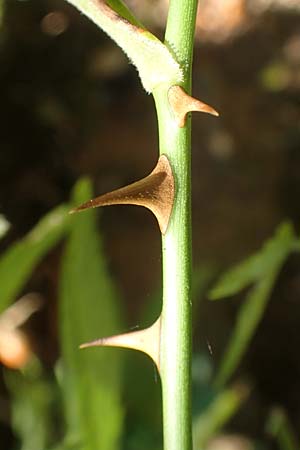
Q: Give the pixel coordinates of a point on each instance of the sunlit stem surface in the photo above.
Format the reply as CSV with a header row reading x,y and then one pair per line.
x,y
175,142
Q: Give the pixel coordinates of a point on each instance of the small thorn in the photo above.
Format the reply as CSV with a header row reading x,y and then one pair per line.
x,y
95,343
155,192
182,103
146,341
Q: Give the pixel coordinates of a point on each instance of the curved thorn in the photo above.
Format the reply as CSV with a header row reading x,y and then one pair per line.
x,y
155,192
182,103
146,341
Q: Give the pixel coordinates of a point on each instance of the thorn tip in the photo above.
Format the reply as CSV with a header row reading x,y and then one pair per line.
x,y
146,341
96,343
155,192
182,103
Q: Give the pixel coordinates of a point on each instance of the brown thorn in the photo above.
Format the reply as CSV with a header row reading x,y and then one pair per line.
x,y
146,341
182,103
155,192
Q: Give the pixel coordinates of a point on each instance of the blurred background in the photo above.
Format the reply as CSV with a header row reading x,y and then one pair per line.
x,y
72,106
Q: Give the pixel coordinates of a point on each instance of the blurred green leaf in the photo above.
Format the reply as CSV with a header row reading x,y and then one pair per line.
x,y
202,275
18,262
143,394
279,427
89,309
217,414
269,263
122,9
202,390
249,315
254,268
31,406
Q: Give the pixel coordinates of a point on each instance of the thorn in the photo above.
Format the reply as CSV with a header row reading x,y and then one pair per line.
x,y
182,103
155,192
146,341
82,207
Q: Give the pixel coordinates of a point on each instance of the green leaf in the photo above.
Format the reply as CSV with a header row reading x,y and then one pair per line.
x,y
279,427
31,406
249,316
217,414
269,263
119,7
18,262
202,276
254,268
89,309
154,61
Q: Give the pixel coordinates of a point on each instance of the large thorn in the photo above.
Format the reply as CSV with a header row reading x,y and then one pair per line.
x,y
182,103
155,192
146,341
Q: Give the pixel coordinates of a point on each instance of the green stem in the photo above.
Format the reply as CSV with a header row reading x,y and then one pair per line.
x,y
159,71
176,320
180,33
175,346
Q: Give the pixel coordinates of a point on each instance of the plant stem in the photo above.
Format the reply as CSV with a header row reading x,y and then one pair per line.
x,y
175,346
175,142
180,33
176,320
